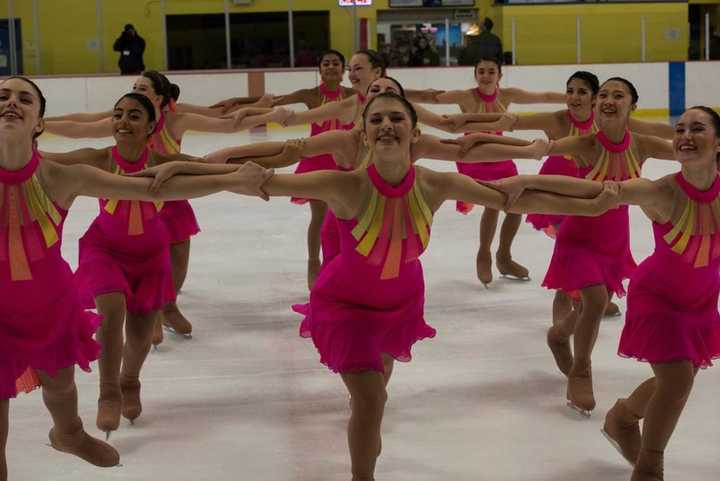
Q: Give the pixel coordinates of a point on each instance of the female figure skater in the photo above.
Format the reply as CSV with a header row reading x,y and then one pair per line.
x,y
44,327
332,68
124,265
366,308
592,254
489,97
672,320
166,139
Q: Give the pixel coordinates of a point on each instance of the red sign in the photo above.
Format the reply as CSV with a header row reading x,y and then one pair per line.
x,y
355,3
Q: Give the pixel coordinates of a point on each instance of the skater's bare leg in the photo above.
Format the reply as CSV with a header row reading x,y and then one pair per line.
x,y
505,263
368,398
138,337
483,261
112,308
173,317
318,209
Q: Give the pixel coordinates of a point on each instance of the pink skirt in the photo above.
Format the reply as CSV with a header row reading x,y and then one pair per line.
x,y
484,171
670,319
311,164
554,165
352,326
592,251
47,338
145,279
180,220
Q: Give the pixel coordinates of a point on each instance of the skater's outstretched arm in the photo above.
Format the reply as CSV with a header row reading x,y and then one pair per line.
x,y
69,182
95,157
243,119
492,148
82,116
80,130
341,191
432,119
343,111
655,147
226,105
520,96
658,129
467,142
482,122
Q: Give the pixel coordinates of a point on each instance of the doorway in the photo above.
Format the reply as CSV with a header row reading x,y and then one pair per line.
x,y
10,61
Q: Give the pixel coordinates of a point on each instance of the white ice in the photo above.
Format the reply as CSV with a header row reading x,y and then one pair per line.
x,y
247,399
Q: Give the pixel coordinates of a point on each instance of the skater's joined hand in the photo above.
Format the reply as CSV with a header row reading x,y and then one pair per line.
x,y
159,173
250,179
466,143
609,197
512,187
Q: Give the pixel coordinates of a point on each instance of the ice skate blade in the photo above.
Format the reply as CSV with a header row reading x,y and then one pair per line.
x,y
107,435
616,446
511,277
579,410
173,331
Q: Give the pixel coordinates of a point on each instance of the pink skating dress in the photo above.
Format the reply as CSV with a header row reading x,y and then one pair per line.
x,y
369,300
561,165
126,250
672,305
42,324
593,251
322,161
485,170
178,214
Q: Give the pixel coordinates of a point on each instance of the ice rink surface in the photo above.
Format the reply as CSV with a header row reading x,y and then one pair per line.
x,y
247,399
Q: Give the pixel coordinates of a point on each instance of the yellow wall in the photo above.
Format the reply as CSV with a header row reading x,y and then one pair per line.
x,y
609,32
70,43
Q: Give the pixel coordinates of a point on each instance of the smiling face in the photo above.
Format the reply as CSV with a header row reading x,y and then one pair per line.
x,y
362,72
144,86
579,97
696,139
382,85
131,122
19,110
331,68
487,75
614,101
389,127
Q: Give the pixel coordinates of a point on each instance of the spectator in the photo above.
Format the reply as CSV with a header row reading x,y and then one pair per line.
x,y
485,45
131,47
423,55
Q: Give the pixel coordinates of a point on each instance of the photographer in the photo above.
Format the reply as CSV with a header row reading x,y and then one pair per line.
x,y
131,47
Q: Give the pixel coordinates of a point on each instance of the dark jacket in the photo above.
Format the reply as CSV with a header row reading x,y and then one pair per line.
x,y
485,45
131,48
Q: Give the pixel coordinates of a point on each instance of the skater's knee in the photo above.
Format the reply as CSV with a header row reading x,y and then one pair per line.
x,y
370,403
112,309
60,385
139,328
367,391
594,300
